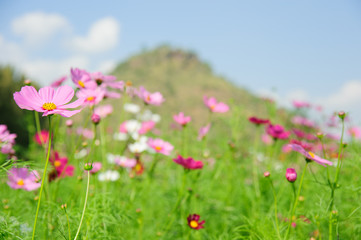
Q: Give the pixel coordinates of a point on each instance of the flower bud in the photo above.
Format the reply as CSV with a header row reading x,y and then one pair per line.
x,y
69,123
63,206
320,135
88,166
27,82
291,174
95,118
342,115
266,174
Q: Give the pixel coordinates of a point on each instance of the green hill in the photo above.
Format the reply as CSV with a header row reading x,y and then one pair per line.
x,y
184,79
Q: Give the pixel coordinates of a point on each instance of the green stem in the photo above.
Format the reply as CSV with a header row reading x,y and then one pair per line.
x,y
86,199
67,219
296,201
334,185
43,178
37,124
275,206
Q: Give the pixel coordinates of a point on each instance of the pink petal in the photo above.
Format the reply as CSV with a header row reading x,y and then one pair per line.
x,y
63,95
47,94
74,104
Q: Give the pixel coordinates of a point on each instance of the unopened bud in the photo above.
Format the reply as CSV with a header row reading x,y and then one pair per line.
x,y
63,206
69,123
320,135
88,166
291,174
342,115
344,145
266,174
27,82
95,118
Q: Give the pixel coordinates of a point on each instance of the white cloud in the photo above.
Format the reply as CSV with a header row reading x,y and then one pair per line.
x,y
10,52
46,71
102,36
38,27
348,96
107,66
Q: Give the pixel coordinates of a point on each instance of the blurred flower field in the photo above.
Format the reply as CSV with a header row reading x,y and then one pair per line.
x,y
106,165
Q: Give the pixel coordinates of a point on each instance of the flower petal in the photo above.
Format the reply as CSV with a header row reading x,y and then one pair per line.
x,y
46,94
63,95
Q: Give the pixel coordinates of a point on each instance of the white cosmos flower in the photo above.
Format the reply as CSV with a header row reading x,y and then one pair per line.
x,y
138,147
82,153
131,107
109,175
133,126
120,136
149,116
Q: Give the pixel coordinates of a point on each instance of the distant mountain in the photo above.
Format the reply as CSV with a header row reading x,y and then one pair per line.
x,y
184,79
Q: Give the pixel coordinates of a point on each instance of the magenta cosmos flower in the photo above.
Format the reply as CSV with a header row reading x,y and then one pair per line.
x,y
310,155
203,131
150,98
277,132
61,165
193,222
48,100
188,163
22,178
291,175
258,121
160,146
58,82
181,119
215,106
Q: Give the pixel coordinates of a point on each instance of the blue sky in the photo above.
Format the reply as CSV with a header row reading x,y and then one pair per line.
x,y
305,50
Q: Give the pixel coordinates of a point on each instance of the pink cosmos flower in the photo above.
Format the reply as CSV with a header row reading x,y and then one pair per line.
x,y
85,132
146,127
41,138
258,121
277,132
123,127
91,96
150,98
188,163
299,133
22,178
160,146
354,132
291,175
310,155
96,167
7,140
124,161
215,106
305,145
300,104
299,120
48,100
181,119
58,82
82,79
104,110
203,131
266,139
61,165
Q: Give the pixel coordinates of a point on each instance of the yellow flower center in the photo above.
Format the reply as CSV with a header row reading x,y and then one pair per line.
x,y
89,99
213,107
193,224
128,84
138,167
57,163
49,106
20,182
158,148
311,154
148,98
81,84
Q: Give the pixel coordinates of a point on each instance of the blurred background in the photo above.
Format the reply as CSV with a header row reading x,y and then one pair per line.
x,y
286,50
